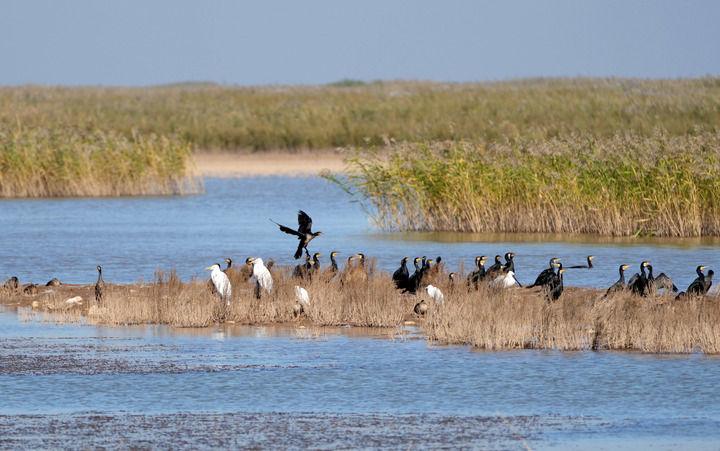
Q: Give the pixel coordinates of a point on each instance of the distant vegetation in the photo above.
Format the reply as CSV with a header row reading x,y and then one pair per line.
x,y
351,113
610,156
55,162
624,185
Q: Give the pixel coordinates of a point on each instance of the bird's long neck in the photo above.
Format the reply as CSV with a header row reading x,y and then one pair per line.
x,y
642,271
622,274
100,279
589,260
650,272
333,262
700,273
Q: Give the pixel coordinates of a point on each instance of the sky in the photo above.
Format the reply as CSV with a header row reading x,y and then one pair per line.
x,y
150,42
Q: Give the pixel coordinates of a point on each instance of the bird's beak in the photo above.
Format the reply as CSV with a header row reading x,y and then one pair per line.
x,y
209,268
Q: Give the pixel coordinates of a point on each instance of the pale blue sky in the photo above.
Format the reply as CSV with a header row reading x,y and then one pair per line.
x,y
136,42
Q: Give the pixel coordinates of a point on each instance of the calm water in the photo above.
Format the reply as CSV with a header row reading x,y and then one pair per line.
x,y
327,388
52,373
132,237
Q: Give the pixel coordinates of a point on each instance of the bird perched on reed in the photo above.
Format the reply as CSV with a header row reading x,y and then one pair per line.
x,y
333,262
54,282
546,275
435,293
99,286
555,287
314,264
30,288
661,282
303,233
261,276
302,301
505,277
620,285
638,283
401,275
12,284
301,270
475,277
700,286
221,282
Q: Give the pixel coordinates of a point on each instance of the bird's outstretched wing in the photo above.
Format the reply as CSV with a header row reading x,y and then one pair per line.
x,y
664,281
287,230
633,279
304,222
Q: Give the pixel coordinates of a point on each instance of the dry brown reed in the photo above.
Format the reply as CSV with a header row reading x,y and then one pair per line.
x,y
580,320
488,318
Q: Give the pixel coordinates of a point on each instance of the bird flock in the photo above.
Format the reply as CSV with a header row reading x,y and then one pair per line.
x,y
500,275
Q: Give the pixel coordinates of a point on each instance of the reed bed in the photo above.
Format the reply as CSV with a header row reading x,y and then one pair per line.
x,y
63,162
371,302
357,114
580,320
489,318
624,185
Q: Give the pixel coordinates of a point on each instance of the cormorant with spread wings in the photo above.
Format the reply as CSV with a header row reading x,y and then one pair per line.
x,y
304,232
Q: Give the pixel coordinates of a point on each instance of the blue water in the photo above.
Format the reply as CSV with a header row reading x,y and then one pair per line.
x,y
73,369
132,237
60,372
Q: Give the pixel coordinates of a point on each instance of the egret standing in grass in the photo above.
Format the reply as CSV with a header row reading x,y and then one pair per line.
x,y
303,300
221,282
260,276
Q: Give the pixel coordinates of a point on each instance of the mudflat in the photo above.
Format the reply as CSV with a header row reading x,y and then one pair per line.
x,y
249,164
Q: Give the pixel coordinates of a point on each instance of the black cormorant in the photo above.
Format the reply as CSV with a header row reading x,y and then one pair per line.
x,y
588,265
99,285
662,281
401,275
548,273
620,285
476,276
638,283
333,263
495,268
304,232
555,287
228,262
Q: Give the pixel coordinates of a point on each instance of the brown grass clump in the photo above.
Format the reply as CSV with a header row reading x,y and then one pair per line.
x,y
488,318
580,320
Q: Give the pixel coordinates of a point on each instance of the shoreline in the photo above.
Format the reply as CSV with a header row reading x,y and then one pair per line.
x,y
228,164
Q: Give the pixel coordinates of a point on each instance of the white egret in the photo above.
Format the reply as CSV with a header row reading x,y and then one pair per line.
x,y
260,276
435,293
303,300
221,282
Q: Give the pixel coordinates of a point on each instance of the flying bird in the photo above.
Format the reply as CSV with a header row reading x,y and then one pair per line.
x,y
304,232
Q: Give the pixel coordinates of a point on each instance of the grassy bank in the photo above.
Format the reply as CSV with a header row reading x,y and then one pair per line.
x,y
488,318
660,185
63,161
211,116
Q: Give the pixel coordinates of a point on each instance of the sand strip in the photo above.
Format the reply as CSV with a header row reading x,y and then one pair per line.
x,y
245,164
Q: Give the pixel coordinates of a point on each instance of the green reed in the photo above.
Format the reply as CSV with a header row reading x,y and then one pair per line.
x,y
58,162
659,185
349,113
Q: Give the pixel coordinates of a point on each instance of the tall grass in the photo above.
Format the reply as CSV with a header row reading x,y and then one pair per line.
x,y
626,184
580,320
356,114
488,318
59,162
